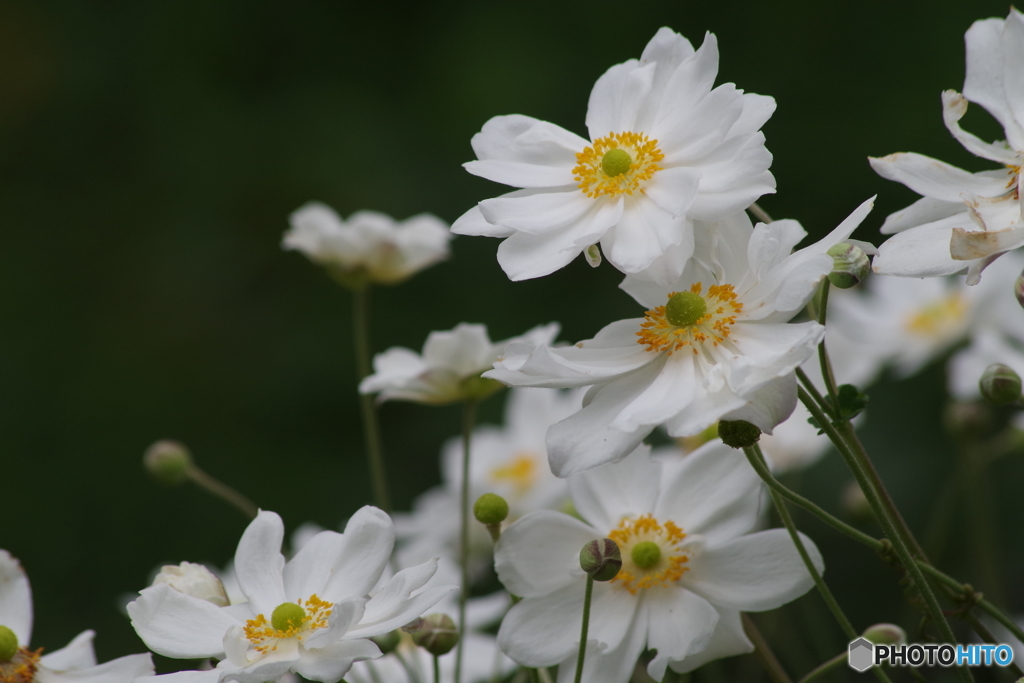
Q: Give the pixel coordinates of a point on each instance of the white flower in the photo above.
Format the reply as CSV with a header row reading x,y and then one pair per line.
x,y
74,663
965,220
449,368
370,246
195,580
311,616
665,149
714,345
510,461
690,566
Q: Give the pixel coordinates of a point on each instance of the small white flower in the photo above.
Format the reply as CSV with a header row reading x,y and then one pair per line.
x,y
370,246
195,580
714,344
75,663
690,566
965,220
312,615
665,149
449,368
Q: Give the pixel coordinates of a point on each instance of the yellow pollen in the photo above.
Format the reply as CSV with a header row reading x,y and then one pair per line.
x,y
658,334
521,472
1014,184
261,633
21,668
670,565
936,318
591,172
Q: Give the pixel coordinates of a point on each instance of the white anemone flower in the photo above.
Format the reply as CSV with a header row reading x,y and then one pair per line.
x,y
689,567
714,344
665,148
368,247
449,368
312,615
76,662
965,220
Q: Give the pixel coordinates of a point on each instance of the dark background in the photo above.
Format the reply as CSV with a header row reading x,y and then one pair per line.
x,y
150,153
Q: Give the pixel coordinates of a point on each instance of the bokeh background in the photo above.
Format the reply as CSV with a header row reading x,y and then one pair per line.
x,y
150,153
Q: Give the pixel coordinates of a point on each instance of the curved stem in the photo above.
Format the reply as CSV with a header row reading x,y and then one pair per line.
x,y
468,418
222,491
585,629
831,664
371,430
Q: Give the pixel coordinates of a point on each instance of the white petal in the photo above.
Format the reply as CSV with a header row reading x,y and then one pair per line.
x,y
604,495
539,553
934,178
369,539
642,234
473,223
924,210
686,84
539,213
120,670
401,601
307,573
15,598
728,639
177,625
211,676
78,654
671,391
259,563
466,349
1013,79
681,624
921,252
769,405
616,98
612,666
544,631
978,244
525,152
329,664
986,68
954,106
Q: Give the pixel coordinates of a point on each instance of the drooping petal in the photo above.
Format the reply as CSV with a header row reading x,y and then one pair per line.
x,y
954,106
259,563
177,625
539,553
769,405
15,598
121,670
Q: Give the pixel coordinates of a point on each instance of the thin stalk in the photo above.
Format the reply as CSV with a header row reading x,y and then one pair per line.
x,y
371,430
830,665
826,366
760,214
813,391
763,652
468,419
221,490
585,629
543,676
437,669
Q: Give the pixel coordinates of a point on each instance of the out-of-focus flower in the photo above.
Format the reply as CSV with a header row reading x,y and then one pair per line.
x,y
449,368
369,247
965,220
195,580
714,344
665,149
74,663
689,567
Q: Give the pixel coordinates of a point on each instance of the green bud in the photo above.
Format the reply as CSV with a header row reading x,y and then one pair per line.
x,y
1000,385
287,615
616,162
738,433
685,308
490,508
438,635
850,265
593,254
885,634
8,645
168,461
646,554
601,559
387,642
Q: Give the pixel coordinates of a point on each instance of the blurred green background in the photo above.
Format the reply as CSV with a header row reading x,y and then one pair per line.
x,y
150,153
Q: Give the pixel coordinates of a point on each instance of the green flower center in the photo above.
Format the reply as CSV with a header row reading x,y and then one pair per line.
x,y
616,162
287,616
685,308
8,644
646,554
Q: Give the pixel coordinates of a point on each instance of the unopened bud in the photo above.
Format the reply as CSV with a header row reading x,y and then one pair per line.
x,y
1000,385
387,642
438,635
8,646
490,508
593,254
601,559
885,634
195,580
850,265
738,433
168,461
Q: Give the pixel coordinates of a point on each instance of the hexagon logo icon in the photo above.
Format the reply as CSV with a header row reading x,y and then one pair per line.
x,y
862,654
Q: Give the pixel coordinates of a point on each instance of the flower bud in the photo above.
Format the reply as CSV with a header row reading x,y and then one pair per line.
x,y
168,461
601,559
490,508
387,642
885,634
738,433
438,635
195,580
593,254
1000,385
850,265
8,645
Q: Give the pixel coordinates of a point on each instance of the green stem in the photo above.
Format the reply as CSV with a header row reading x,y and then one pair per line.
x,y
371,430
468,419
826,366
759,213
763,652
437,669
222,491
831,664
585,629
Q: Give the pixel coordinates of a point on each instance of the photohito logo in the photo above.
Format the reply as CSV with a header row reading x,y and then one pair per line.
x,y
864,654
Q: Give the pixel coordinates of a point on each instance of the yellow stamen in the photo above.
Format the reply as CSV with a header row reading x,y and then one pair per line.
x,y
658,334
1014,184
938,317
600,168
262,634
643,532
21,668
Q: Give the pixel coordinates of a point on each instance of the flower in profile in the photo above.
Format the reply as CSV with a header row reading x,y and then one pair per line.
x,y
665,148
369,247
449,368
964,221
312,615
689,567
19,663
714,344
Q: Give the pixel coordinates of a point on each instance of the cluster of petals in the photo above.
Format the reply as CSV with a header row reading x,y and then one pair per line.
x,y
666,148
734,363
449,368
369,246
74,663
964,221
330,579
700,511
